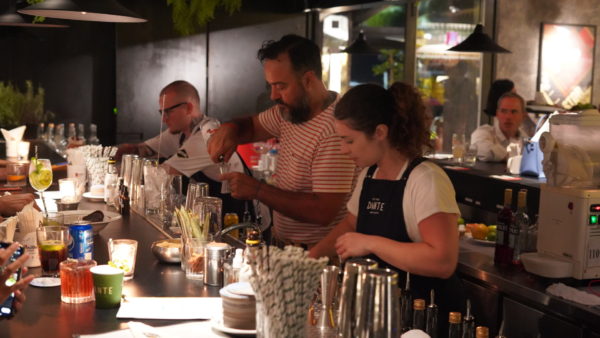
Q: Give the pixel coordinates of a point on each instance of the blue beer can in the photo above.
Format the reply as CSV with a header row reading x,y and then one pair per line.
x,y
82,244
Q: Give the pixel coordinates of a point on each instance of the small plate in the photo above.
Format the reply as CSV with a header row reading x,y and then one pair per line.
x,y
217,324
45,282
482,242
93,198
76,215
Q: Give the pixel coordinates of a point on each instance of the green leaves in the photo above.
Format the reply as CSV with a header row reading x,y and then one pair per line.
x,y
190,15
18,107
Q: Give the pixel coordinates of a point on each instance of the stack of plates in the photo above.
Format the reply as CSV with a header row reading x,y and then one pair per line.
x,y
239,306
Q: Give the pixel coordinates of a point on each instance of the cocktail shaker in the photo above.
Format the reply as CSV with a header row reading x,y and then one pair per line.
x,y
215,255
352,290
380,316
329,287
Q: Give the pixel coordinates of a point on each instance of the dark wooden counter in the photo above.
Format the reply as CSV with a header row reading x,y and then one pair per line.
x,y
44,315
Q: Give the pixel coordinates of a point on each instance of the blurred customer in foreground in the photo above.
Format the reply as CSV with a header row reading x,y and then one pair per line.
x,y
183,144
6,271
312,179
492,140
403,210
11,204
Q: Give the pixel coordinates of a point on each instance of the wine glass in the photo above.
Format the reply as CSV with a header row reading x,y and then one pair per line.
x,y
40,177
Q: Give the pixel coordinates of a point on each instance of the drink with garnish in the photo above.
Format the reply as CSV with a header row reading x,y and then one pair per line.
x,y
40,176
52,244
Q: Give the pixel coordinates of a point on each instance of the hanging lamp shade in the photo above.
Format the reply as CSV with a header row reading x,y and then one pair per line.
x,y
83,10
360,46
478,41
11,18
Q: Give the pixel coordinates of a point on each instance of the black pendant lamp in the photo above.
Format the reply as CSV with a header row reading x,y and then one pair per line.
x,y
12,18
360,46
480,42
83,10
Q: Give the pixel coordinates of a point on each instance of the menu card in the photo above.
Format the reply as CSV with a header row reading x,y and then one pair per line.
x,y
176,308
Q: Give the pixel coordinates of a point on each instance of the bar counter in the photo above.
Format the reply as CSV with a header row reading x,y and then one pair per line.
x,y
44,315
519,298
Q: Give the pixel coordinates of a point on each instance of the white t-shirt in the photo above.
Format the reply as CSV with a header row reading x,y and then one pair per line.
x,y
192,156
428,191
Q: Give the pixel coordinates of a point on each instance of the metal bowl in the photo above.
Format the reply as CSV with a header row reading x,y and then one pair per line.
x,y
167,250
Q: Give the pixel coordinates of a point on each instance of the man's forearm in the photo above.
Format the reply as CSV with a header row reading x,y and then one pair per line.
x,y
320,208
247,130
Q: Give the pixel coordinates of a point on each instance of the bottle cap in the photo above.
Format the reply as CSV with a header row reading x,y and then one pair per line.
x,y
482,332
419,304
454,318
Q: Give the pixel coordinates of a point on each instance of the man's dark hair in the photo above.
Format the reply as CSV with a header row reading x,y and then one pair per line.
x,y
304,54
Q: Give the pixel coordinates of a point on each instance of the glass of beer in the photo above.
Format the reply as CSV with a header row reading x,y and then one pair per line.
x,y
53,242
76,284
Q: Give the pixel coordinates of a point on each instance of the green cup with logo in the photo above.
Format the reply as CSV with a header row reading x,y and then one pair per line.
x,y
108,286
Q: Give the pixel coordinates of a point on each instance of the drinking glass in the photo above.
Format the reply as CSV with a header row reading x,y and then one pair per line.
x,y
471,154
121,253
16,174
53,242
76,285
170,198
458,147
195,190
193,258
224,168
40,176
209,211
152,183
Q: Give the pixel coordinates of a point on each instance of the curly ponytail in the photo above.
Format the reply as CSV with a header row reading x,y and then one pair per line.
x,y
400,108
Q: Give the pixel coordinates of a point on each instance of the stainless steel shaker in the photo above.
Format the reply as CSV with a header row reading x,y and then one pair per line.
x,y
352,289
126,165
329,287
215,255
380,317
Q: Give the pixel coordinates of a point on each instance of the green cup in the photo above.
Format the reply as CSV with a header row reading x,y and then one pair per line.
x,y
108,286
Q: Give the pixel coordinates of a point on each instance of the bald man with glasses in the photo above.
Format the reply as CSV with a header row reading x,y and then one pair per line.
x,y
183,143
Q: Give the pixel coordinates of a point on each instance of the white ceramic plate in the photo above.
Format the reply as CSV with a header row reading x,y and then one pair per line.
x,y
76,215
217,324
93,198
45,282
482,242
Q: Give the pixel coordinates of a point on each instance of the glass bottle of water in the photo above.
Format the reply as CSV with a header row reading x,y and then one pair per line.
x,y
111,180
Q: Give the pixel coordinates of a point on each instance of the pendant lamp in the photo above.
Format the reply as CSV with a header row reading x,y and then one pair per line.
x,y
83,10
360,46
12,18
478,41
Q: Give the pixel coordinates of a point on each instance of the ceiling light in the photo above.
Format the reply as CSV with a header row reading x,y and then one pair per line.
x,y
83,10
11,18
478,41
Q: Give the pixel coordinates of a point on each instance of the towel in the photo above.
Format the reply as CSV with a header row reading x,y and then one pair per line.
x,y
563,291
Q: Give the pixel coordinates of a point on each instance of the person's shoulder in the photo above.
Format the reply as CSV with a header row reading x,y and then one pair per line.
x,y
428,170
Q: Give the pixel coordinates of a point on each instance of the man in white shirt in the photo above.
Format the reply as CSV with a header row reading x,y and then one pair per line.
x,y
183,143
492,141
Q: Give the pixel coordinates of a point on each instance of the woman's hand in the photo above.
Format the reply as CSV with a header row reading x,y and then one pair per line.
x,y
352,244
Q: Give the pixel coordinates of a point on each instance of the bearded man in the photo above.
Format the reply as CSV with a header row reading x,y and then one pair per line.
x,y
312,179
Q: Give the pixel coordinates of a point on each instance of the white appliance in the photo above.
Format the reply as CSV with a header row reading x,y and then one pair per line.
x,y
568,223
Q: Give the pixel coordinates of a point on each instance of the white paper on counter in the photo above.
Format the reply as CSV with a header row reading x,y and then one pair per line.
x,y
185,330
176,308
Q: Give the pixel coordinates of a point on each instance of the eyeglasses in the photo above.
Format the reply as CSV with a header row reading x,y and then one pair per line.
x,y
167,111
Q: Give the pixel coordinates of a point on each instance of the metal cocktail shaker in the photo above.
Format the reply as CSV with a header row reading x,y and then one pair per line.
x,y
215,255
352,290
380,315
329,287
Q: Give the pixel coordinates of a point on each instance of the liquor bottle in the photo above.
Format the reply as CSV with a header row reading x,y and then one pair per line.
x,y
518,232
93,139
40,134
418,321
468,328
111,192
431,326
503,253
50,135
482,332
454,323
81,132
406,302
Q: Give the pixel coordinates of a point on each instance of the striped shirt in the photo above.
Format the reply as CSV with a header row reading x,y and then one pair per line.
x,y
310,160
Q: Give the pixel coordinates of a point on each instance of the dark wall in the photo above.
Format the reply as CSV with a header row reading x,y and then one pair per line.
x,y
74,65
220,61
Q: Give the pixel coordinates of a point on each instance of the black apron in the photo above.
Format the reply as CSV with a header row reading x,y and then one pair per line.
x,y
381,213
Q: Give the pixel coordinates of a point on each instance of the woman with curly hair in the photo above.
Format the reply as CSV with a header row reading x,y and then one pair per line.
x,y
403,211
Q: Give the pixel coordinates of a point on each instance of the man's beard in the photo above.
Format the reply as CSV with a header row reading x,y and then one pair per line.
x,y
298,113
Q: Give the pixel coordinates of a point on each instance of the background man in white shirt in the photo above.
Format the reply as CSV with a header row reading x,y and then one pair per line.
x,y
492,141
